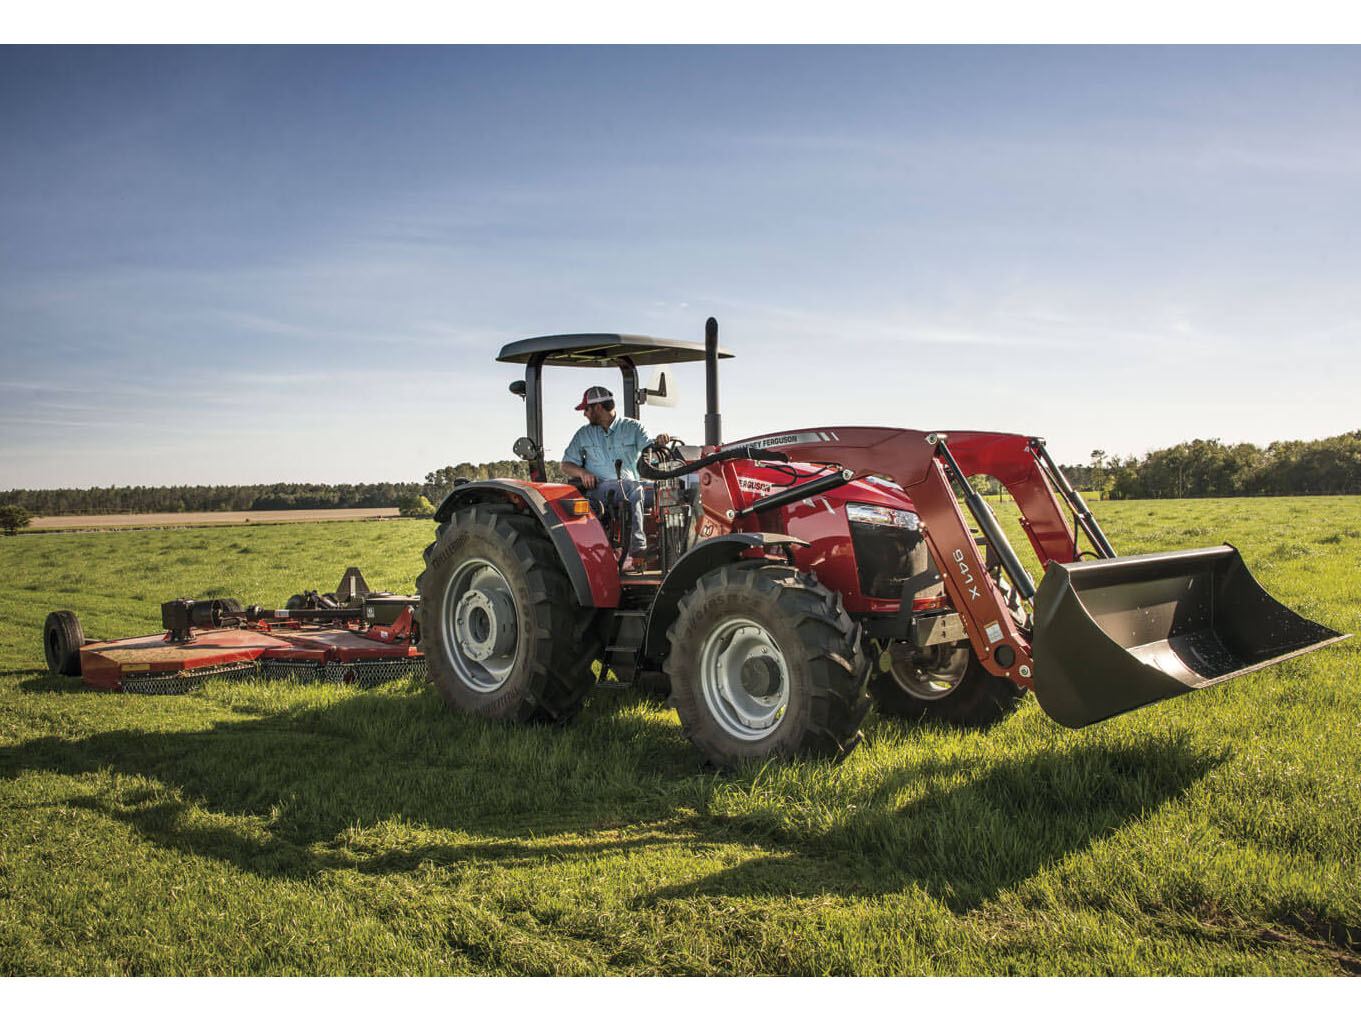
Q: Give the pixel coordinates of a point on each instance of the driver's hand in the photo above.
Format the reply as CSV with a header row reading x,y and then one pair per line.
x,y
587,479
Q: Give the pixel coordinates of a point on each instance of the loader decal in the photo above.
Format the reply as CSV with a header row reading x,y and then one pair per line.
x,y
966,575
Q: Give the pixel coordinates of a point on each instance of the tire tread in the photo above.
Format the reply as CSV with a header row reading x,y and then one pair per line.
x,y
564,644
831,649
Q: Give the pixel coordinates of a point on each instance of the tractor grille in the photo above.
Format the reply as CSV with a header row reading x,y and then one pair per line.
x,y
886,556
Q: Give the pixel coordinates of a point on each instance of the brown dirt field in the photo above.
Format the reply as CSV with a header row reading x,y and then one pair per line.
x,y
97,522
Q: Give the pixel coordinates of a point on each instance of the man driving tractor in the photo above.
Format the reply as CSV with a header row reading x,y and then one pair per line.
x,y
603,456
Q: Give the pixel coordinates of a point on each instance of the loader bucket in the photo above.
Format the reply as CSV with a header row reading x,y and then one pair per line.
x,y
1112,635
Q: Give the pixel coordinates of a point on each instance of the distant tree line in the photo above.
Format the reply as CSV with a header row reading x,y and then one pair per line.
x,y
178,499
1195,468
1211,468
262,497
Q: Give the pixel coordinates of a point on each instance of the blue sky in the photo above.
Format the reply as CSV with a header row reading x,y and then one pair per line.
x,y
249,265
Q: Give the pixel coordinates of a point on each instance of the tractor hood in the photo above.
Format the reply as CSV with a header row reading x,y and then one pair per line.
x,y
758,480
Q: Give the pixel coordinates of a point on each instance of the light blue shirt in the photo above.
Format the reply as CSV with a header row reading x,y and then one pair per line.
x,y
622,441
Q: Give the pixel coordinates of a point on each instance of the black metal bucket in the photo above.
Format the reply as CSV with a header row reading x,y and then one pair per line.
x,y
1112,635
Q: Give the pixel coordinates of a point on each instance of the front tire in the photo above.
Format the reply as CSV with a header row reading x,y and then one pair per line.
x,y
765,663
503,635
944,683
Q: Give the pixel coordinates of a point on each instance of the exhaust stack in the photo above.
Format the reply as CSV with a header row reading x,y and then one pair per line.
x,y
713,421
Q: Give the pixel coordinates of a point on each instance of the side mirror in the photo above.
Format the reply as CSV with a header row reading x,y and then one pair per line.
x,y
518,388
525,449
656,392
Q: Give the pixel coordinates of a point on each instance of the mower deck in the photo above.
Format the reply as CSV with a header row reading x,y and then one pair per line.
x,y
153,664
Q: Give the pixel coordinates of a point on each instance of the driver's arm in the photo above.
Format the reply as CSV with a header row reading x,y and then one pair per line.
x,y
576,471
573,470
644,440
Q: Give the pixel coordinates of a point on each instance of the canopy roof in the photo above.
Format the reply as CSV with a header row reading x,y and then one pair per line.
x,y
599,350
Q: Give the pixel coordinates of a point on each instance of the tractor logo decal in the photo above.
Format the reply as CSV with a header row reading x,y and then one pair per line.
x,y
788,439
750,485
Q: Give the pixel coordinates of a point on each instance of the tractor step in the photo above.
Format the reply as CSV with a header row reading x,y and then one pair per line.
x,y
626,633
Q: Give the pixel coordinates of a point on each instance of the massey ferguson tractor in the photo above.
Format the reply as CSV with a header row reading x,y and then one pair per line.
x,y
795,578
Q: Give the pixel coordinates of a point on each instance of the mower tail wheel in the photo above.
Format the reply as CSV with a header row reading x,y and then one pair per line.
x,y
766,663
62,639
943,684
503,635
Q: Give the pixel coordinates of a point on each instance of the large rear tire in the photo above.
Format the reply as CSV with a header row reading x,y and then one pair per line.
x,y
503,635
765,663
944,683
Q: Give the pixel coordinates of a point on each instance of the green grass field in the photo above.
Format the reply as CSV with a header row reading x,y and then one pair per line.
x,y
289,829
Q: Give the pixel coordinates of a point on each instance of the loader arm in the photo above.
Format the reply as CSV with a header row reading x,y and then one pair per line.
x,y
923,465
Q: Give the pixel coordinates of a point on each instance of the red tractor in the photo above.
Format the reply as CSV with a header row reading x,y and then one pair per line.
x,y
797,577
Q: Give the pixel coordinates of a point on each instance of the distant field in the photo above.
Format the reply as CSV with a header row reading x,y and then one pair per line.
x,y
280,828
97,522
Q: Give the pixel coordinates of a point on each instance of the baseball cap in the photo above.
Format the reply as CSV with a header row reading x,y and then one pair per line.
x,y
594,395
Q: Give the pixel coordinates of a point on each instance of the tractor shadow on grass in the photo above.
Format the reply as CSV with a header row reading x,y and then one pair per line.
x,y
353,784
301,791
973,833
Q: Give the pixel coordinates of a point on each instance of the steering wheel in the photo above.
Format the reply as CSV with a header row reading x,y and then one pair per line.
x,y
660,457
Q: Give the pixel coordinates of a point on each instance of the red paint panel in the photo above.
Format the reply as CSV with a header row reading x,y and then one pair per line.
x,y
1007,458
597,555
821,521
341,645
102,664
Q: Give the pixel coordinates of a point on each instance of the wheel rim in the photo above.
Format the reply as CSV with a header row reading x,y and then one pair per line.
x,y
744,679
931,675
480,626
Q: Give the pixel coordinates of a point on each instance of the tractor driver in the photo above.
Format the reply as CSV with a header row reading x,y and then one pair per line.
x,y
608,440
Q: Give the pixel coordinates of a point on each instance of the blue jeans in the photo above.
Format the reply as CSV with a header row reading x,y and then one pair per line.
x,y
609,493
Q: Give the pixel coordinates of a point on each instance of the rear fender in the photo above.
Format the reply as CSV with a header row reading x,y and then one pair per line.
x,y
585,552
700,560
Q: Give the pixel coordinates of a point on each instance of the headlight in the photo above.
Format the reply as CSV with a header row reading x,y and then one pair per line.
x,y
872,515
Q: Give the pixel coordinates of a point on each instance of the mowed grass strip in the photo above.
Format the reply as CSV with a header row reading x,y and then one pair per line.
x,y
276,828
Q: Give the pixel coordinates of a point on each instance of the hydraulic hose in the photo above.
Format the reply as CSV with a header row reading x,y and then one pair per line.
x,y
727,454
